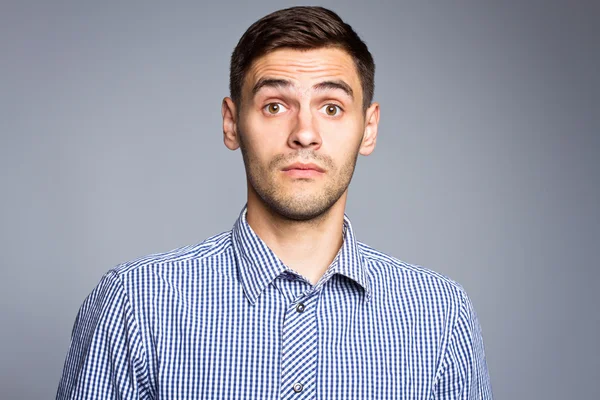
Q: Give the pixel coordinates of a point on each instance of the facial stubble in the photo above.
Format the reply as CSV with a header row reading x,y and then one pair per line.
x,y
299,204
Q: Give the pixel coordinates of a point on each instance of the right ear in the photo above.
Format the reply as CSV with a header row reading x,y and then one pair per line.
x,y
229,113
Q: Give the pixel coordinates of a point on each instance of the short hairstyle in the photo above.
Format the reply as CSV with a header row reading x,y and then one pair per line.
x,y
302,28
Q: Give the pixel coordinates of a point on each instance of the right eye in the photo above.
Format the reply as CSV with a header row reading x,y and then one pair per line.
x,y
274,108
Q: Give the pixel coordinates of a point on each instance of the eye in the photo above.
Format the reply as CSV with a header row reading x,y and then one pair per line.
x,y
274,108
331,109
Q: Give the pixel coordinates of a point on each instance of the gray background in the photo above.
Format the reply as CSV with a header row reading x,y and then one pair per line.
x,y
486,168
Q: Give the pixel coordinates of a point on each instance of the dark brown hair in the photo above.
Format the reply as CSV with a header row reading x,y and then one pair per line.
x,y
301,28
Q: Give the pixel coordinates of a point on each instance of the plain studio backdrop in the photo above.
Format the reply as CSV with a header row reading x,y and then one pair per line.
x,y
486,168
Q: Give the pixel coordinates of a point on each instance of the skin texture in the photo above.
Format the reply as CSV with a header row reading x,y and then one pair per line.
x,y
300,106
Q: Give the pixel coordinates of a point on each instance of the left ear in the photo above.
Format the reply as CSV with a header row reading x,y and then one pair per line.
x,y
370,135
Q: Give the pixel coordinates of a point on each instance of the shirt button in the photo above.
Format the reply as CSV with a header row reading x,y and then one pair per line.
x,y
298,387
300,308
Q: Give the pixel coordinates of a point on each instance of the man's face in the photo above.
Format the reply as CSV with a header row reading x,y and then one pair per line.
x,y
301,126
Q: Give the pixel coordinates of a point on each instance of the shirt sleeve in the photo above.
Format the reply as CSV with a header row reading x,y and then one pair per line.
x,y
463,374
106,359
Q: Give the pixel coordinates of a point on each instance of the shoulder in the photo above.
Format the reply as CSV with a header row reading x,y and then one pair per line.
x,y
394,276
186,257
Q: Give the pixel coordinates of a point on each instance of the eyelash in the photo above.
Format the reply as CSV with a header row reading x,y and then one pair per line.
x,y
339,109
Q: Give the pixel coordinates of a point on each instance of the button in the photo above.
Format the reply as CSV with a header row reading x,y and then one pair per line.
x,y
298,387
300,308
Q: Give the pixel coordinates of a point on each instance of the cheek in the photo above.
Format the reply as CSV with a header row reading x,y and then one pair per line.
x,y
264,139
342,141
259,153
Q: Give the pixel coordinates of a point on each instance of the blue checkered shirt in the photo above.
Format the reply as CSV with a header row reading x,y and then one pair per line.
x,y
226,319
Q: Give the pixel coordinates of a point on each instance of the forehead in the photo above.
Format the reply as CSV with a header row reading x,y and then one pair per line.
x,y
304,67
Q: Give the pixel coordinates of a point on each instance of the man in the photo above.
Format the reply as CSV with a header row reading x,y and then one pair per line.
x,y
288,304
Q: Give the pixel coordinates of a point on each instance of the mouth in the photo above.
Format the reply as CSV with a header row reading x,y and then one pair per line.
x,y
300,170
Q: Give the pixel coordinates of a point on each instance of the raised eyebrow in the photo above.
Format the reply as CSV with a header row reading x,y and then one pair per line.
x,y
337,84
270,82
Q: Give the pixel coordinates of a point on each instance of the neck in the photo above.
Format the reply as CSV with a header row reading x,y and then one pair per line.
x,y
307,247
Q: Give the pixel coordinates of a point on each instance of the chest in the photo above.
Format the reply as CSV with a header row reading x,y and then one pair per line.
x,y
304,346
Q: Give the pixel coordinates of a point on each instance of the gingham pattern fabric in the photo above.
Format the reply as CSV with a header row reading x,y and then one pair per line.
x,y
226,319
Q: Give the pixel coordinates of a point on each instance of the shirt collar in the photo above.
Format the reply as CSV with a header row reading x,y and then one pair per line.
x,y
258,266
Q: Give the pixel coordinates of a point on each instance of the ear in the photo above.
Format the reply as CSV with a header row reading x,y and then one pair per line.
x,y
229,113
370,135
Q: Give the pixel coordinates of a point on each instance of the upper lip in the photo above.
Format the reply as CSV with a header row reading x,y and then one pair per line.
x,y
304,166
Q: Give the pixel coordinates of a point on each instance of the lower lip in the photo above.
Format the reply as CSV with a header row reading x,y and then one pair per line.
x,y
303,173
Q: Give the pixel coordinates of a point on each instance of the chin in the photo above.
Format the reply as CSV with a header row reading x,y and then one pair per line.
x,y
300,209
298,203
301,215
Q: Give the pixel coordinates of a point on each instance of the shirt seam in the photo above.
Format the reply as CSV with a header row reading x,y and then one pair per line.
x,y
144,385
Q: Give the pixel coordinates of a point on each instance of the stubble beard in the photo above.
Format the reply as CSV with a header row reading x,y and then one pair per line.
x,y
299,205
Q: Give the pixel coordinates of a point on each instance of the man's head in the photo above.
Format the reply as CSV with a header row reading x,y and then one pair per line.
x,y
301,87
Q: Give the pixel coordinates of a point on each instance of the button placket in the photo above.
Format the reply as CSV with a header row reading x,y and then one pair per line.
x,y
299,350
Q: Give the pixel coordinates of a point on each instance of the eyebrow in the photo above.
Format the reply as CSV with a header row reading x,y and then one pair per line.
x,y
336,85
285,84
272,83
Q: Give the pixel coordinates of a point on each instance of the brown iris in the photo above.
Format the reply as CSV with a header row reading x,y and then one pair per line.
x,y
273,108
331,110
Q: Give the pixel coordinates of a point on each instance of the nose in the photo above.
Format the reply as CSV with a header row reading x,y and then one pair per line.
x,y
305,133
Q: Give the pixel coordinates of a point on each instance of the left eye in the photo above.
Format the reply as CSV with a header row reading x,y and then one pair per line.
x,y
331,109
